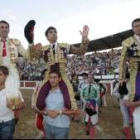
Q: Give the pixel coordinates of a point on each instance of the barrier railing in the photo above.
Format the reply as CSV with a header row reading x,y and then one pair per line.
x,y
29,84
34,84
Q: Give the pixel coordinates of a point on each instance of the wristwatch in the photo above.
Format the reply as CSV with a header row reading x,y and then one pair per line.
x,y
60,112
14,107
46,113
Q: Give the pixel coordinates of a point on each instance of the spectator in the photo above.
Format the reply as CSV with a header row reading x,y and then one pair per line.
x,y
90,96
56,115
7,121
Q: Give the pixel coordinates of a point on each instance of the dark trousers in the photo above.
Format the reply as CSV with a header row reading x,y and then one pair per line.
x,y
7,129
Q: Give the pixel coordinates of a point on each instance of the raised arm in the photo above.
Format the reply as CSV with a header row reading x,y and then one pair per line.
x,y
21,50
34,51
84,44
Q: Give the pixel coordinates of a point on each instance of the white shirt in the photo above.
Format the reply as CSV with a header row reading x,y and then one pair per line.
x,y
5,113
137,111
6,60
54,46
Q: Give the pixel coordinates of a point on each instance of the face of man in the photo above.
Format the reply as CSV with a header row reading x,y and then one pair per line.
x,y
81,67
75,77
4,30
52,36
136,28
2,78
85,77
90,78
54,79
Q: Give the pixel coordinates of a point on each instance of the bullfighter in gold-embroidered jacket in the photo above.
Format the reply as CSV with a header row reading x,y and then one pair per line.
x,y
55,56
9,50
131,53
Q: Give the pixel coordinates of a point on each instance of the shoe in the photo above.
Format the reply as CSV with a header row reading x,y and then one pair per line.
x,y
87,133
127,132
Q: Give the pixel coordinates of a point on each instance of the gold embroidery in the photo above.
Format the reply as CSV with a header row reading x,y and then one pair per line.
x,y
129,41
59,58
63,45
16,42
133,65
45,48
12,49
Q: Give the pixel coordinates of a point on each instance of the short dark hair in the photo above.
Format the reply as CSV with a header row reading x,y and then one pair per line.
x,y
4,70
5,22
84,74
56,72
44,71
50,28
135,20
74,74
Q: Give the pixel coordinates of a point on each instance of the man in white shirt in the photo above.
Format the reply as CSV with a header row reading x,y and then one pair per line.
x,y
7,122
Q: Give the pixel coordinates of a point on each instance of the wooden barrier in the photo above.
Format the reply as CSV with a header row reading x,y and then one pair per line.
x,y
34,84
29,84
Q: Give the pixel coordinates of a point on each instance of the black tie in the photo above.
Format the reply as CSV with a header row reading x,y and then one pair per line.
x,y
53,47
89,88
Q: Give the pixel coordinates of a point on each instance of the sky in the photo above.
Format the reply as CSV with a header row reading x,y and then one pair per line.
x,y
104,17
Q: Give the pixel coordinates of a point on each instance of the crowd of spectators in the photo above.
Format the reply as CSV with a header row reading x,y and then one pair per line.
x,y
30,71
98,63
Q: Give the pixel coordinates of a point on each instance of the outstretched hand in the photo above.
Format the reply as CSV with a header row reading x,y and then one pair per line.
x,y
128,103
85,31
53,113
38,46
121,82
